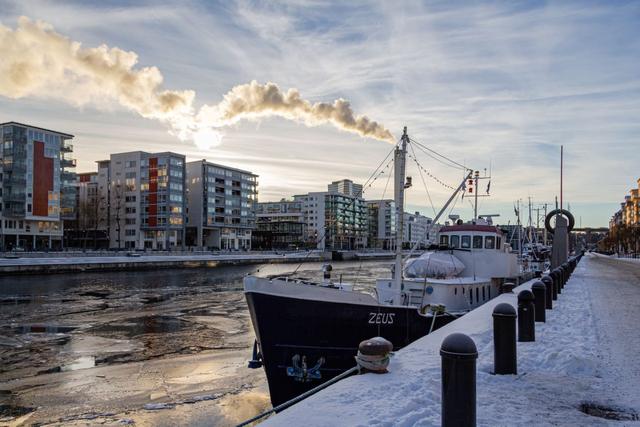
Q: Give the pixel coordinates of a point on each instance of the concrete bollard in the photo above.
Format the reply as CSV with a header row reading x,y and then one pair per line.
x,y
556,275
504,340
558,286
458,353
526,317
507,288
539,291
548,283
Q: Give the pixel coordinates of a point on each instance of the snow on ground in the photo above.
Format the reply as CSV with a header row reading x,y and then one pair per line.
x,y
569,364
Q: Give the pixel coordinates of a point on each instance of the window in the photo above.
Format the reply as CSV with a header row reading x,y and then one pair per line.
x,y
444,240
490,242
484,297
477,242
130,221
129,199
470,296
130,210
130,164
130,232
477,294
130,175
499,243
466,242
455,241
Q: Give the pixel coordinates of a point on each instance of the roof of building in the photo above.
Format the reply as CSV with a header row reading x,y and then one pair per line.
x,y
36,127
208,163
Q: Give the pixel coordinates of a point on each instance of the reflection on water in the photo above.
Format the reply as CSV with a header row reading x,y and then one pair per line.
x,y
83,362
74,322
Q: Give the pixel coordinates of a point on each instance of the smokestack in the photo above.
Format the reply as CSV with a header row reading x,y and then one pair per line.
x,y
38,62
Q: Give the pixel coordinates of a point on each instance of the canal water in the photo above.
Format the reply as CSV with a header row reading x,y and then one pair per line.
x,y
152,347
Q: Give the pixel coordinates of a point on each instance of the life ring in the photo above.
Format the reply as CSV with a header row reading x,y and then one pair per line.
x,y
563,212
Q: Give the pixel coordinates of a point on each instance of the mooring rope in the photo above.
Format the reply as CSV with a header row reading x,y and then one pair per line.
x,y
376,363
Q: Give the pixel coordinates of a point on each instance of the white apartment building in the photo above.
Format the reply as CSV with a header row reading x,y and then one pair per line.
x,y
415,229
37,186
145,199
221,206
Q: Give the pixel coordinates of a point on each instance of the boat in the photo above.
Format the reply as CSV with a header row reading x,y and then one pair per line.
x,y
308,332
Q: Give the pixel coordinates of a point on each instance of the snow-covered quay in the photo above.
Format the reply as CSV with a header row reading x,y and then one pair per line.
x,y
585,353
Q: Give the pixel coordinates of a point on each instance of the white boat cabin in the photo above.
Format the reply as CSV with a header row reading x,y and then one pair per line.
x,y
487,260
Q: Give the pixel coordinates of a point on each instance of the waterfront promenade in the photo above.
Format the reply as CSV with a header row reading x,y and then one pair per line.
x,y
586,353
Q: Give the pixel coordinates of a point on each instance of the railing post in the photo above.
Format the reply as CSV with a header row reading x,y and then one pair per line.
x,y
458,353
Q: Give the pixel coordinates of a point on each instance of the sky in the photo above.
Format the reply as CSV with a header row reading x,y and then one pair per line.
x,y
493,85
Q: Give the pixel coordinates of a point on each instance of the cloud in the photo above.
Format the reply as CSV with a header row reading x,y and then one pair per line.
x,y
38,61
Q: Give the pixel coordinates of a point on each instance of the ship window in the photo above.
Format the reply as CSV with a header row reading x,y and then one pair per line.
x,y
455,241
444,240
463,290
477,294
470,296
465,242
498,243
484,297
455,291
477,242
490,242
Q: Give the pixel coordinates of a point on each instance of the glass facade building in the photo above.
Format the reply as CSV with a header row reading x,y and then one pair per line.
x,y
38,186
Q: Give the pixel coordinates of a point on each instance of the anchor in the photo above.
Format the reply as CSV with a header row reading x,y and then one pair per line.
x,y
301,373
256,360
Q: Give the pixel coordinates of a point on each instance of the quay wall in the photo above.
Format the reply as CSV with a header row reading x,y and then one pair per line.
x,y
20,266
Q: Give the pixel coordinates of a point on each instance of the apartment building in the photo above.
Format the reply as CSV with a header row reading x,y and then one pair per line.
x,y
37,186
416,230
382,224
221,206
88,229
143,197
337,218
280,225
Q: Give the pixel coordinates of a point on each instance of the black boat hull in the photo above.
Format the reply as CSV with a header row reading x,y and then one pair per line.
x,y
327,332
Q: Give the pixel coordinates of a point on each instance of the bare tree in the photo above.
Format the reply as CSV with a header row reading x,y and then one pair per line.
x,y
118,211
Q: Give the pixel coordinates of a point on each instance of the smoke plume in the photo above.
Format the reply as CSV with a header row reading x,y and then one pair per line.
x,y
38,62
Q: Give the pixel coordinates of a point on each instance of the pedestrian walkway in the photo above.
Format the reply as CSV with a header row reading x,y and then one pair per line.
x,y
613,287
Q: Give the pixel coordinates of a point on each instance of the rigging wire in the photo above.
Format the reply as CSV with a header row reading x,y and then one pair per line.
x,y
444,184
368,183
355,282
429,150
423,180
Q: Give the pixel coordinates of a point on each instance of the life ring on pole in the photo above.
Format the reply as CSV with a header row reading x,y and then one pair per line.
x,y
563,212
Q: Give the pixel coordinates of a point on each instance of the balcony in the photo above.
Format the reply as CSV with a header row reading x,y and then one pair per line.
x,y
67,163
66,147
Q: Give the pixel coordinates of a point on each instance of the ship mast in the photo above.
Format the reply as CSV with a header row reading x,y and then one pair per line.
x,y
399,163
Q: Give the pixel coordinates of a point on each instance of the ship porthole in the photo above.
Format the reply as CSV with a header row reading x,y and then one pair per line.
x,y
429,290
